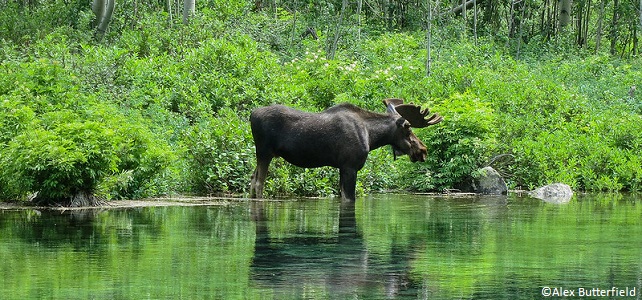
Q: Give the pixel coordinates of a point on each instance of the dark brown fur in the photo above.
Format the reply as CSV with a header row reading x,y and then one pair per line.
x,y
341,137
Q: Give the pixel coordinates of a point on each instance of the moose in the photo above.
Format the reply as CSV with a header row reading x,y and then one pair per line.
x,y
341,137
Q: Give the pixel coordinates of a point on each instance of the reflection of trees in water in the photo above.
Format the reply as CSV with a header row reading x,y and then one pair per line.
x,y
134,253
466,248
89,230
338,262
95,230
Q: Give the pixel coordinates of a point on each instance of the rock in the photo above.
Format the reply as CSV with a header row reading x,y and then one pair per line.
x,y
553,193
490,182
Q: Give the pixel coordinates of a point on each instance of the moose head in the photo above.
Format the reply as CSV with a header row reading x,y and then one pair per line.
x,y
407,116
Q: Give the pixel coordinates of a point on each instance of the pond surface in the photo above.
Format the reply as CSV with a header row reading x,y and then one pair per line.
x,y
382,247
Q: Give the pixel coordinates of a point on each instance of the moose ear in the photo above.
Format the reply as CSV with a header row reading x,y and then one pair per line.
x,y
390,104
393,101
401,122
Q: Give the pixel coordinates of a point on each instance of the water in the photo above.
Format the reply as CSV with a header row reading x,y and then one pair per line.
x,y
382,247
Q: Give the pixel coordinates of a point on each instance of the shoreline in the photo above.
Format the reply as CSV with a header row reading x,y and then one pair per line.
x,y
150,202
206,201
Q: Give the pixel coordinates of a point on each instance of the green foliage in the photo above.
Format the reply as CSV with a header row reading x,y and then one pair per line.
x,y
220,154
456,147
161,107
285,180
59,142
22,23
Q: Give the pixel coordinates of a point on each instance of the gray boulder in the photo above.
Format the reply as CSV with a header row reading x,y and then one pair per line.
x,y
553,193
489,182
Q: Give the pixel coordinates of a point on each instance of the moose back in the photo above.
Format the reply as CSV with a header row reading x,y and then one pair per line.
x,y
341,137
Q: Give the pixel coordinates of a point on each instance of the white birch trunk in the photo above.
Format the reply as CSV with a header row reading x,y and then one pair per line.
x,y
103,9
189,7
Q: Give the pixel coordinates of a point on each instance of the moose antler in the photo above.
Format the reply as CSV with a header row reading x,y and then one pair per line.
x,y
413,113
416,116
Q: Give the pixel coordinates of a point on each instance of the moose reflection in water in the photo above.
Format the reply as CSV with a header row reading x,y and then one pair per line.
x,y
340,261
340,137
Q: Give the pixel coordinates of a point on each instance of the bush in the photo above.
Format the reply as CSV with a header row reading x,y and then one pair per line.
x,y
161,107
220,154
62,144
60,159
457,146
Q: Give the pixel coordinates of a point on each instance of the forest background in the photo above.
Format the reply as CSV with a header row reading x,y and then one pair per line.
x,y
144,98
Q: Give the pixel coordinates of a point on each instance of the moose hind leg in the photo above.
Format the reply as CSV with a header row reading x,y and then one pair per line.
x,y
258,178
348,182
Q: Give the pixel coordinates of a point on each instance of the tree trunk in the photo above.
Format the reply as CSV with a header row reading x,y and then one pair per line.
x,y
168,4
511,23
337,32
189,7
429,40
587,19
545,20
475,21
359,7
462,7
579,38
640,26
386,14
103,9
463,13
614,25
520,30
634,34
598,35
293,28
565,13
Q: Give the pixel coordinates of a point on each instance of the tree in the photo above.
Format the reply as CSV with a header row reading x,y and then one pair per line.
x,y
429,40
600,19
565,13
614,25
188,10
337,33
103,9
583,20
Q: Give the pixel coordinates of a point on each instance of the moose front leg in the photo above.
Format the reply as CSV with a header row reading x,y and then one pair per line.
x,y
258,178
348,182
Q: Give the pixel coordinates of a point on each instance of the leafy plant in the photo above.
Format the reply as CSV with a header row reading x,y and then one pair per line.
x,y
457,147
219,153
60,144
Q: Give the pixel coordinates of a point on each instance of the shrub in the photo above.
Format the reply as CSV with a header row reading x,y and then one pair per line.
x,y
457,147
220,154
62,144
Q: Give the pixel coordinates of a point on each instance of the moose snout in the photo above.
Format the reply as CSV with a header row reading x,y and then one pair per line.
x,y
418,157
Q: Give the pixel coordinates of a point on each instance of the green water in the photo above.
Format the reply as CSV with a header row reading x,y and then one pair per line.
x,y
382,247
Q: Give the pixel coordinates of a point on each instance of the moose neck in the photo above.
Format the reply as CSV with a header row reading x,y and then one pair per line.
x,y
381,131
